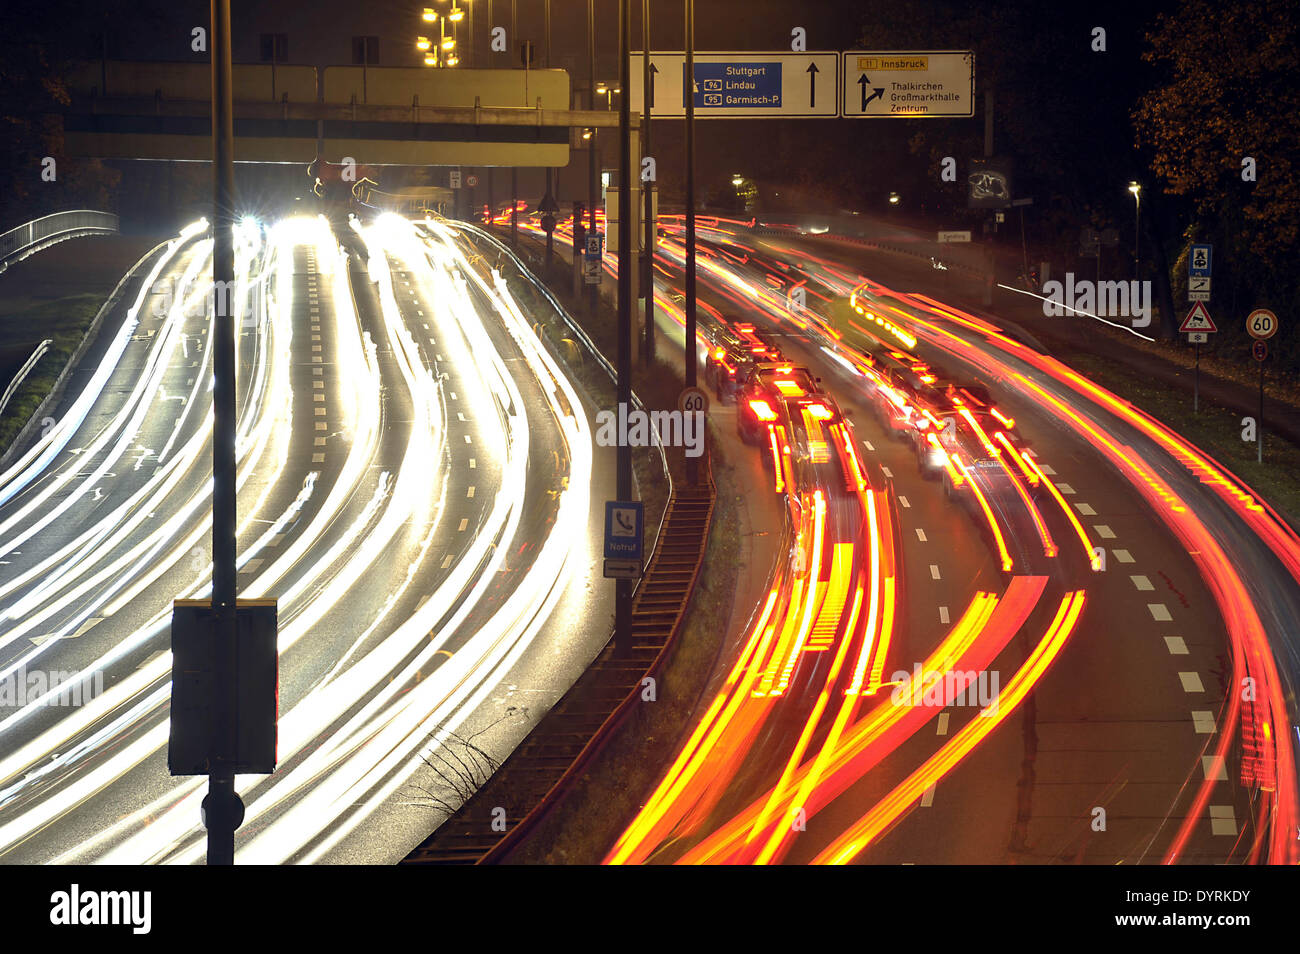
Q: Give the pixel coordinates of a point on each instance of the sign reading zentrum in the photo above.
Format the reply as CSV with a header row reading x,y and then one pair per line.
x,y
925,85
740,85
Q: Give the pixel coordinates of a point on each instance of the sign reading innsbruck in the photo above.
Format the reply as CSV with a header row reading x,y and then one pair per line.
x,y
740,85
925,85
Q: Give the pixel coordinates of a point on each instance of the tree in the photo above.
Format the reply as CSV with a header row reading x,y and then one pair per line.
x,y
1229,90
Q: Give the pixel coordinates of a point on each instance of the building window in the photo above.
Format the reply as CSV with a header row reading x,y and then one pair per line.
x,y
365,49
275,47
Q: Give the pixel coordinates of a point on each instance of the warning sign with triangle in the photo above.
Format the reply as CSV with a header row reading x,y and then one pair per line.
x,y
1198,319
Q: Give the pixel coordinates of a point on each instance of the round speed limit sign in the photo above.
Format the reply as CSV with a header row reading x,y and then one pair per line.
x,y
1261,323
692,400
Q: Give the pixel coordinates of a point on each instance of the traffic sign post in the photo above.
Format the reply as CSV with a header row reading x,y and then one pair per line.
x,y
923,85
1198,325
1261,324
739,85
623,535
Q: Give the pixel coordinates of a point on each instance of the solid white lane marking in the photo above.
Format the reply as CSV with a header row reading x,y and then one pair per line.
x,y
1159,612
1191,681
1177,645
1142,582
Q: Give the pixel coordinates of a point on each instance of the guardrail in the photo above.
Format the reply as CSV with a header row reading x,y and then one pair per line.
x,y
30,237
25,370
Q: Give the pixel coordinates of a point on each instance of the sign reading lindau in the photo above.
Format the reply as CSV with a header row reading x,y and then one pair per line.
x,y
740,85
925,85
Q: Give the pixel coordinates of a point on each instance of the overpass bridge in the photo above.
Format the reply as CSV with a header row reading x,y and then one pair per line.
x,y
285,113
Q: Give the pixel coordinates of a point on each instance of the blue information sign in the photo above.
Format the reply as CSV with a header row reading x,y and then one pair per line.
x,y
1198,262
723,85
623,521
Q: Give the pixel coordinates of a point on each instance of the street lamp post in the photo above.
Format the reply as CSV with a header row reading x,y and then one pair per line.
x,y
1136,189
692,372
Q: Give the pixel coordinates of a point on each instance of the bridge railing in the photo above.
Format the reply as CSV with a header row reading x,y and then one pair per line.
x,y
30,237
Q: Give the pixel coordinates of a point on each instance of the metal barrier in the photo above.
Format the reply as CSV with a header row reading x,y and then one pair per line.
x,y
31,237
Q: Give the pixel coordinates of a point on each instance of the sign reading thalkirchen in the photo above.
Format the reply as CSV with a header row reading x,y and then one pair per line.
x,y
744,85
921,85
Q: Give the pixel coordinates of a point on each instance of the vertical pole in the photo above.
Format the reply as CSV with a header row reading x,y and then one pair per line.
x,y
623,604
1137,237
647,190
1259,427
692,463
222,810
593,291
1196,384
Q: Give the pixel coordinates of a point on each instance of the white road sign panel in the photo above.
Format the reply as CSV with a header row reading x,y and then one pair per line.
x,y
744,85
904,85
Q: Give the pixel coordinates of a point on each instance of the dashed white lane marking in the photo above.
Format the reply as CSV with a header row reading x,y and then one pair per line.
x,y
453,396
473,464
902,501
887,472
317,370
439,357
319,442
1223,821
470,495
1065,489
460,416
1123,556
1159,612
468,439
942,727
1142,582
318,384
920,534
1047,469
943,614
318,458
870,446
464,522
320,411
1203,721
934,571
1105,532
1177,645
1215,770
320,425
927,797
446,561
1085,509
1191,681
318,398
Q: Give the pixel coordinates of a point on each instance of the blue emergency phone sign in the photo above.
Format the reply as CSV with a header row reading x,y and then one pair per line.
x,y
623,526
